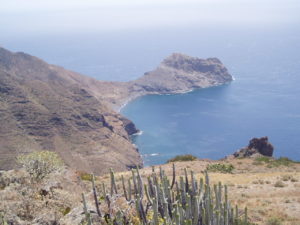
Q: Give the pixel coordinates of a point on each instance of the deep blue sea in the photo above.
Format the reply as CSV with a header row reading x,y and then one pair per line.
x,y
264,99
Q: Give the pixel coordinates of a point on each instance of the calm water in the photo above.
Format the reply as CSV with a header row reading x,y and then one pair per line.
x,y
209,123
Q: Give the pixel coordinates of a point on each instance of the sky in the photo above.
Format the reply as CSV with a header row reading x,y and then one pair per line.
x,y
42,16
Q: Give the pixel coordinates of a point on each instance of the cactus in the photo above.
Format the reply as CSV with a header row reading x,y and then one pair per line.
x,y
87,214
113,186
2,219
169,201
174,176
124,189
96,196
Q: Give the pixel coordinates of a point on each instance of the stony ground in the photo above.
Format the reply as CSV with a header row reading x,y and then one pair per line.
x,y
269,192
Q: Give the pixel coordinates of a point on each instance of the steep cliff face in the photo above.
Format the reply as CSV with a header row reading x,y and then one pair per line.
x,y
44,107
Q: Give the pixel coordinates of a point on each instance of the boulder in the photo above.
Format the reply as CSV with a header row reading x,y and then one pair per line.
x,y
256,146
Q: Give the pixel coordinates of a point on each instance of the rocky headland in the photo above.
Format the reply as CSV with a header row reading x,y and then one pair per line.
x,y
46,107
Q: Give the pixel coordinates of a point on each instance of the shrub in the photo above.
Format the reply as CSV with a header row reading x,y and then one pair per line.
x,y
219,167
86,176
274,221
179,158
65,211
40,164
286,177
279,184
294,179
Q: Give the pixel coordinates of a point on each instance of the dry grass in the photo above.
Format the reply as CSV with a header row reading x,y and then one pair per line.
x,y
252,186
249,185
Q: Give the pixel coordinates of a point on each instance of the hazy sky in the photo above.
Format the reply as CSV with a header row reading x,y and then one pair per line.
x,y
101,15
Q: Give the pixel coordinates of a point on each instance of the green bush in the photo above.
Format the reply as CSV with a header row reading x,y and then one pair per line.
x,y
264,159
40,164
65,211
86,176
219,167
179,158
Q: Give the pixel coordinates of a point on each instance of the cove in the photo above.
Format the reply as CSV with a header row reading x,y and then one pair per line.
x,y
214,122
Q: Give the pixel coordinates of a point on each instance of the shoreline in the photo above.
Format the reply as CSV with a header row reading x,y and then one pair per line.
x,y
140,132
132,98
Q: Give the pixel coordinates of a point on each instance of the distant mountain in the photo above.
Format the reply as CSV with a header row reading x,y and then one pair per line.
x,y
45,107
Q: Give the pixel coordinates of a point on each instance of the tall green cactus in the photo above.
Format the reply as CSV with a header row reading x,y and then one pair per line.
x,y
86,212
171,201
96,196
113,186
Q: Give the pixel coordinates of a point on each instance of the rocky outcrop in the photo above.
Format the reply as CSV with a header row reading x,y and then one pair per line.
x,y
45,107
180,73
256,146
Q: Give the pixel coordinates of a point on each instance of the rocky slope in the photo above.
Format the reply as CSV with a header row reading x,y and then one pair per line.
x,y
45,107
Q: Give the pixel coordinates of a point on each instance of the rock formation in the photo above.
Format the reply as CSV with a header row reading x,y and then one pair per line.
x,y
45,107
256,146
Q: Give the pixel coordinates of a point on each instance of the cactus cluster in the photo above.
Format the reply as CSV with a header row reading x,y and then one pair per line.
x,y
160,200
2,219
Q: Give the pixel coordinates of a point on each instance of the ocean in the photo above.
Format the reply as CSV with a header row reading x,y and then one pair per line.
x,y
263,100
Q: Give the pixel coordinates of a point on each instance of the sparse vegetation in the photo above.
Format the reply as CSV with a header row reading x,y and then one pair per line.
x,y
40,164
263,159
219,167
274,221
271,162
247,185
179,158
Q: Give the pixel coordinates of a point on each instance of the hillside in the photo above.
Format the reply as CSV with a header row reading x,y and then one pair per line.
x,y
269,189
45,107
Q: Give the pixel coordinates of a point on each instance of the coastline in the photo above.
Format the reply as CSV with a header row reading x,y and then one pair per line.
x,y
140,132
